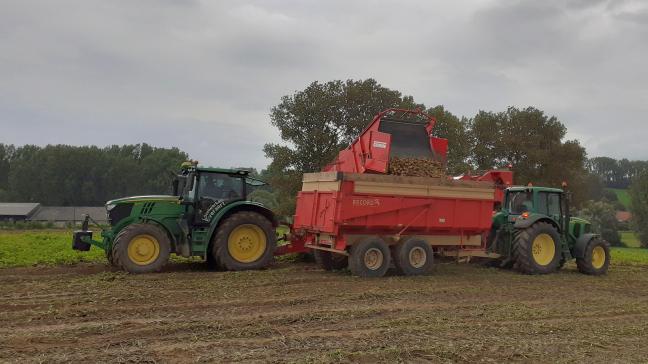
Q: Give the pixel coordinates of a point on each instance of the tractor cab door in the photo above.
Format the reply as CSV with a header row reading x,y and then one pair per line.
x,y
550,204
213,192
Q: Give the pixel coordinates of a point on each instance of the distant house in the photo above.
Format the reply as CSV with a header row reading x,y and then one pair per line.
x,y
623,216
59,215
17,211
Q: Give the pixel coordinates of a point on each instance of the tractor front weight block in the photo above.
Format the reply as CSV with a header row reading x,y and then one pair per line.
x,y
79,241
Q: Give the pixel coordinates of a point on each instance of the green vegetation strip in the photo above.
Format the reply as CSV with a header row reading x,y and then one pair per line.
x,y
54,247
623,196
630,239
42,247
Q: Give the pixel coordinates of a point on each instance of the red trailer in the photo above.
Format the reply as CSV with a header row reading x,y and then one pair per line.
x,y
353,214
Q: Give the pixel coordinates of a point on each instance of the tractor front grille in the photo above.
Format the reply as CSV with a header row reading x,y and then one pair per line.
x,y
119,212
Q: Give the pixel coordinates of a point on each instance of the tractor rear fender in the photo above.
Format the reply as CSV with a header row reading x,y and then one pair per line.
x,y
581,245
237,207
521,223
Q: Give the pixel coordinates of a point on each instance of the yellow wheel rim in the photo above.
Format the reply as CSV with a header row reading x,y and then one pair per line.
x,y
143,249
247,243
598,257
543,249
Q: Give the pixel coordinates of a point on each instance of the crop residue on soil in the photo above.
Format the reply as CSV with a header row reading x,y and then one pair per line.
x,y
298,313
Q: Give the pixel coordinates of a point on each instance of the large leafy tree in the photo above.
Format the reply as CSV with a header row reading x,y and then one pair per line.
x,y
639,206
319,121
602,215
534,144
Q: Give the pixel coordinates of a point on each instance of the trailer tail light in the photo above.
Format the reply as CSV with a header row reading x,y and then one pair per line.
x,y
525,215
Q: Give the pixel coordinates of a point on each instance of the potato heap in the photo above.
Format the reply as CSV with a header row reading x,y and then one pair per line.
x,y
416,167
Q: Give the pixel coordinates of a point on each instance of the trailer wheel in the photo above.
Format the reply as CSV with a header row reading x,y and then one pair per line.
x,y
369,258
596,260
536,249
141,248
330,261
413,257
245,240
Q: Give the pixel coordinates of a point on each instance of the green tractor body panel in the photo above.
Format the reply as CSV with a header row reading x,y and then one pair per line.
x,y
202,199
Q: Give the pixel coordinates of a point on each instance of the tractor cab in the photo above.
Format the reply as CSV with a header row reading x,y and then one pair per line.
x,y
524,201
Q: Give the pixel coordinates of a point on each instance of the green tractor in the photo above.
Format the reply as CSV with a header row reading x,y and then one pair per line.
x,y
209,215
534,233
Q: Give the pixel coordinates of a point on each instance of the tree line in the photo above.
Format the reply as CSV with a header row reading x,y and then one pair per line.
x,y
64,175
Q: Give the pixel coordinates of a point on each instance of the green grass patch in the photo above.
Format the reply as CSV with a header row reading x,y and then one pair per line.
x,y
623,196
45,247
630,239
629,256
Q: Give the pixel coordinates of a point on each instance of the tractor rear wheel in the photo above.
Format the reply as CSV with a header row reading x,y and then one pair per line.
x,y
413,257
369,258
141,248
596,259
245,240
536,249
330,261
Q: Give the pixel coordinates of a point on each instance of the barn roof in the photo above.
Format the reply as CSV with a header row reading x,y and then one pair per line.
x,y
17,208
69,213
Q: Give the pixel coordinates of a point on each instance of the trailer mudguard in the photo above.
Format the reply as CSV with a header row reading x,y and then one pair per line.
x,y
581,245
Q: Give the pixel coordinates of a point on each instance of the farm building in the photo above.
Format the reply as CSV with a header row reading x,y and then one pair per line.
x,y
59,215
623,216
68,214
17,211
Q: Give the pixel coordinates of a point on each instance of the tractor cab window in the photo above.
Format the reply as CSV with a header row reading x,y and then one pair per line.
x,y
549,204
216,190
519,202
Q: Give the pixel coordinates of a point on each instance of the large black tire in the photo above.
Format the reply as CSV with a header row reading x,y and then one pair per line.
x,y
413,257
596,259
369,258
330,261
137,242
533,248
246,230
109,257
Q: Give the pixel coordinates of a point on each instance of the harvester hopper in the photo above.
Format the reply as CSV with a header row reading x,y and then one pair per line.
x,y
392,133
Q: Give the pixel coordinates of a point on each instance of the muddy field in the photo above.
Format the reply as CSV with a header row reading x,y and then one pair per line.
x,y
298,313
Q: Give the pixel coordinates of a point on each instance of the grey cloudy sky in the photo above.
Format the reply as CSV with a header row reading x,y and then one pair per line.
x,y
203,75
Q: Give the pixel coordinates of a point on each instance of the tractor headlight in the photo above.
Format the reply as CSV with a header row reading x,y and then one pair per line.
x,y
110,207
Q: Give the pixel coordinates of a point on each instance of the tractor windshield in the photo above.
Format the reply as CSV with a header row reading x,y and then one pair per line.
x,y
518,202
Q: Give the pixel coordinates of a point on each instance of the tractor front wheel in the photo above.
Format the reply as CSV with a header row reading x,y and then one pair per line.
x,y
330,261
369,258
596,259
141,248
413,257
536,249
245,240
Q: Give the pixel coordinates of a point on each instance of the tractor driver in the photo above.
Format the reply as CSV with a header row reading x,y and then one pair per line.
x,y
522,202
